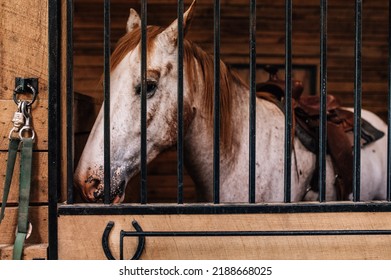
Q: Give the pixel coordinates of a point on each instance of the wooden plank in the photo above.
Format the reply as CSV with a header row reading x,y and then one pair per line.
x,y
39,180
24,53
85,111
337,3
161,189
80,237
30,252
39,114
23,44
38,216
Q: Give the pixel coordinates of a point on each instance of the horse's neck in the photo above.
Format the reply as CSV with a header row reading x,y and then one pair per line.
x,y
199,146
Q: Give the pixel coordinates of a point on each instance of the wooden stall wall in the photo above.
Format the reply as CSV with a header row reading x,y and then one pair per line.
x,y
87,244
24,53
88,43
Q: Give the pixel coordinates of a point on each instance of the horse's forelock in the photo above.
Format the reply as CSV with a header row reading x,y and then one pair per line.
x,y
130,41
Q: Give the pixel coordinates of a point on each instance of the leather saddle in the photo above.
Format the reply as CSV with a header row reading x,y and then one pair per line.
x,y
340,126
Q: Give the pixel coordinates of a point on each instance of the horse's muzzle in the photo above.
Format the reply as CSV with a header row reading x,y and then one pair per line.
x,y
90,189
93,191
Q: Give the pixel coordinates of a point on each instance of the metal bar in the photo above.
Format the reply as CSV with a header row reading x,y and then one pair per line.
x,y
288,101
143,152
180,103
357,101
252,109
323,97
121,244
106,84
141,235
69,98
170,209
54,123
253,233
389,107
216,120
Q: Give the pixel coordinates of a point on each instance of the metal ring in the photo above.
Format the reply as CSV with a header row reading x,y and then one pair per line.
x,y
13,130
29,230
20,87
26,128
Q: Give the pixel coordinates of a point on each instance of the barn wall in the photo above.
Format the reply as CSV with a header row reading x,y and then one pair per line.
x,y
270,39
88,42
24,53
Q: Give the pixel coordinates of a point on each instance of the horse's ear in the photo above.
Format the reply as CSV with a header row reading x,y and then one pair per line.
x,y
169,36
133,21
188,17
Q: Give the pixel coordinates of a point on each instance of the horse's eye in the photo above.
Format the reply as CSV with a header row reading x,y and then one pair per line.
x,y
151,89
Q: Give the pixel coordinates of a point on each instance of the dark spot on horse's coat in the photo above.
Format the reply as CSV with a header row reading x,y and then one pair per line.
x,y
169,68
300,172
154,74
373,151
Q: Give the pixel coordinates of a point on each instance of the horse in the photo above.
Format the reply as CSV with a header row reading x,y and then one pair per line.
x,y
162,123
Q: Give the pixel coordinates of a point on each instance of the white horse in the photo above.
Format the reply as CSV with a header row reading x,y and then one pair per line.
x,y
198,114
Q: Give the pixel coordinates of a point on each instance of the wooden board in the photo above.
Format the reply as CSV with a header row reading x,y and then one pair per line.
x,y
38,216
24,53
23,44
39,180
39,114
30,252
80,237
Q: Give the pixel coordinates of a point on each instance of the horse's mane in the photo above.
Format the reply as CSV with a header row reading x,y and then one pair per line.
x,y
193,56
130,41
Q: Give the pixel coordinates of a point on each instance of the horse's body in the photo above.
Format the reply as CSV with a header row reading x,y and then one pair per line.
x,y
198,112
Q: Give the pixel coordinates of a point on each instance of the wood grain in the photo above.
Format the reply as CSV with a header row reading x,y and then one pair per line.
x,y
24,53
23,44
79,241
30,252
39,180
38,216
39,114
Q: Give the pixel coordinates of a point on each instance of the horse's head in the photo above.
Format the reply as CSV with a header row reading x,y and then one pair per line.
x,y
125,103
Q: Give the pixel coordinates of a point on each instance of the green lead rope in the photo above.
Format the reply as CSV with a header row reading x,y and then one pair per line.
x,y
24,189
24,196
12,151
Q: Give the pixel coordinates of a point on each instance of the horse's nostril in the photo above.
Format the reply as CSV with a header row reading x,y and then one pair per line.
x,y
92,191
98,194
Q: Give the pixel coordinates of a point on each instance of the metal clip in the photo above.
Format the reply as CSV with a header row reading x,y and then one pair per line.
x,y
27,128
18,121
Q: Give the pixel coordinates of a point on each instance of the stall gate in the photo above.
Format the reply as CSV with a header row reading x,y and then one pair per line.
x,y
317,230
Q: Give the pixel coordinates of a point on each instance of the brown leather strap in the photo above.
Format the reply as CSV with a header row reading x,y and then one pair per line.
x,y
342,156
